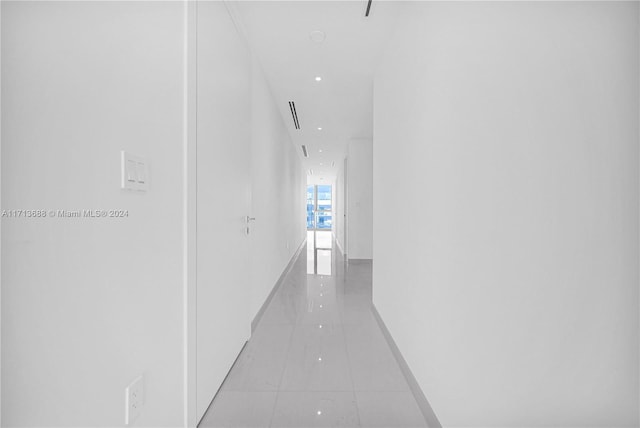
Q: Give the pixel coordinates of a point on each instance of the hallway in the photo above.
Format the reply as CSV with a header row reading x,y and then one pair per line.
x,y
162,163
318,356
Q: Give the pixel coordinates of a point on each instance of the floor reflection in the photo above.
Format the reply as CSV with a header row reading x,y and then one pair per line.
x,y
319,252
317,357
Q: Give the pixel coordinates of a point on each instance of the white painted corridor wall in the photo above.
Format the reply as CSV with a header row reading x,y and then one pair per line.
x,y
90,304
359,184
277,192
506,209
339,199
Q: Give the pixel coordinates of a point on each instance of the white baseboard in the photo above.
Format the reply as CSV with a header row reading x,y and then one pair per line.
x,y
421,399
277,285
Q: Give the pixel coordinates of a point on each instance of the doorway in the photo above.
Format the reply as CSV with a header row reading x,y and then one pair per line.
x,y
319,225
319,216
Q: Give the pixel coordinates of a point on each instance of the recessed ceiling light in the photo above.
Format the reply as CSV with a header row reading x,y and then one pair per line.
x,y
320,150
320,163
320,128
318,78
317,36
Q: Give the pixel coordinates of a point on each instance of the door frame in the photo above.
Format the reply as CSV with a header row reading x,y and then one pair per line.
x,y
189,215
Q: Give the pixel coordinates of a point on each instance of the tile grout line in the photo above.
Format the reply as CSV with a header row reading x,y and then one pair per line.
x,y
284,366
353,386
346,350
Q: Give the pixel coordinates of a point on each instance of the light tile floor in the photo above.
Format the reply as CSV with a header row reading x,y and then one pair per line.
x,y
318,357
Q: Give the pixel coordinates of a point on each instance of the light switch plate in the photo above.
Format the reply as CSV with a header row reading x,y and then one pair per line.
x,y
130,169
134,172
134,400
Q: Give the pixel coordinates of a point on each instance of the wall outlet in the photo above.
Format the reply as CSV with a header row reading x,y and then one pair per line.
x,y
134,400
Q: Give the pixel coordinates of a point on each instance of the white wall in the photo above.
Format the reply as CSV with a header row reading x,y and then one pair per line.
x,y
89,304
278,193
360,199
506,210
338,196
0,220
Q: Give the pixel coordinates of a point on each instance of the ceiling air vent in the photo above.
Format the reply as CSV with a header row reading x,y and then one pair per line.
x,y
304,151
294,114
368,8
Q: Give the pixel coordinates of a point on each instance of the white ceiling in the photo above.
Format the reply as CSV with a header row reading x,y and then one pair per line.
x,y
342,103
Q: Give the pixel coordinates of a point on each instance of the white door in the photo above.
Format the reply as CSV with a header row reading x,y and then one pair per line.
x,y
223,197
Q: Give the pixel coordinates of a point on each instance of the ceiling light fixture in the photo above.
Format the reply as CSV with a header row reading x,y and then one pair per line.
x,y
320,150
317,36
320,128
318,78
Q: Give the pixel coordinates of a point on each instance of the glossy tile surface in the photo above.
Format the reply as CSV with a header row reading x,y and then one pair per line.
x,y
316,409
388,409
240,409
318,357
